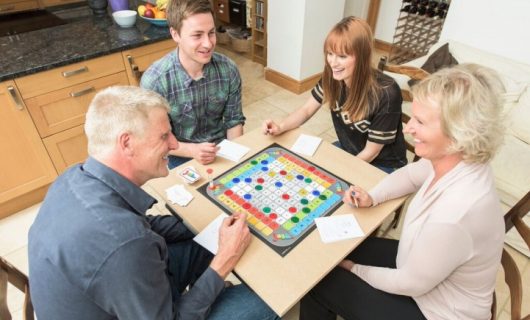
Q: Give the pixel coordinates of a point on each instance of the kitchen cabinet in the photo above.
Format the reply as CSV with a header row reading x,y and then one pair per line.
x,y
9,6
24,165
42,119
51,3
139,59
58,100
221,9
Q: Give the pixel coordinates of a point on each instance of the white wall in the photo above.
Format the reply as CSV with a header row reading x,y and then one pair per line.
x,y
387,19
356,8
296,33
498,26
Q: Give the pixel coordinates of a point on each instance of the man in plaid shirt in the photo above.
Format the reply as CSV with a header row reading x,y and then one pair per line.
x,y
203,87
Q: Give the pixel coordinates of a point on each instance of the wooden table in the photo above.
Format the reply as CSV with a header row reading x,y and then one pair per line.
x,y
282,281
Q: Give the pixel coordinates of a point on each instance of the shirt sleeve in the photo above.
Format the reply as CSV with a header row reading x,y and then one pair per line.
x,y
423,269
403,181
387,117
233,111
170,228
317,92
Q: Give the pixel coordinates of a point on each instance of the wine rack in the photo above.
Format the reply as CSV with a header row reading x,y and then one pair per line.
x,y
419,25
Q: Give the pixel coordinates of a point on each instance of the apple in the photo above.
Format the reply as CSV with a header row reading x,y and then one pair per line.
x,y
149,13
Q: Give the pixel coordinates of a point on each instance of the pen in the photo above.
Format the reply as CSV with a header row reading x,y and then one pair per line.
x,y
354,199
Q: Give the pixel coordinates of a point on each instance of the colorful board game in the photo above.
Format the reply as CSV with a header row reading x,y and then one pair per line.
x,y
281,193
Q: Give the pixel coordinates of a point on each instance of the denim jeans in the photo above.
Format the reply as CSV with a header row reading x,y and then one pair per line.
x,y
175,161
239,302
188,260
385,169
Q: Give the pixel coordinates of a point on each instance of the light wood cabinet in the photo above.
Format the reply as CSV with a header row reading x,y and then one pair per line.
x,y
259,31
51,3
65,148
42,120
58,100
24,164
9,6
139,59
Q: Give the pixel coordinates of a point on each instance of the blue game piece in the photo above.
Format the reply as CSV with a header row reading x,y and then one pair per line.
x,y
300,177
247,196
278,184
248,180
264,162
264,169
236,180
316,193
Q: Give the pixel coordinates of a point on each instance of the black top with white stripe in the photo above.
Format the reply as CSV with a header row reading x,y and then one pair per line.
x,y
382,126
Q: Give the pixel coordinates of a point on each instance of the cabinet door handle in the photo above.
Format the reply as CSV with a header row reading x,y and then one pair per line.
x,y
16,99
67,74
134,68
82,92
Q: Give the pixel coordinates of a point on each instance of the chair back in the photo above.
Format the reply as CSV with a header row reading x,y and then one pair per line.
x,y
10,274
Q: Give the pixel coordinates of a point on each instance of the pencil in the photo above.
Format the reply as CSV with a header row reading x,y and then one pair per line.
x,y
354,199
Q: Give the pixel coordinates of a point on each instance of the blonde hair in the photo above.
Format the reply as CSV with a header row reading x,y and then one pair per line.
x,y
469,97
116,110
352,36
180,10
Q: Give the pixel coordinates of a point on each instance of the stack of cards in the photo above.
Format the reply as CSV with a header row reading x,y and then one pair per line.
x,y
189,175
178,194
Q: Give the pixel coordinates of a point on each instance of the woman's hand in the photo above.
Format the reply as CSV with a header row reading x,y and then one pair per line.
x,y
270,127
346,264
357,197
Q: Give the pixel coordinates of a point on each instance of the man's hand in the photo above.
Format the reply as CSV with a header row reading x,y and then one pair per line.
x,y
234,238
270,127
204,152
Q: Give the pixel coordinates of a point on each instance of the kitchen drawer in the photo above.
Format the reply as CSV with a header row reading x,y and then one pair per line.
x,y
222,10
65,108
67,148
139,59
8,6
63,77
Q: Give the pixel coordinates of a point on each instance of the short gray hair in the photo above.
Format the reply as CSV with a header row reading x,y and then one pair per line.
x,y
470,100
116,110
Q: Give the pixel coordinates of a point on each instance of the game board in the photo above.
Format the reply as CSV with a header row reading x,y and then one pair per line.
x,y
281,193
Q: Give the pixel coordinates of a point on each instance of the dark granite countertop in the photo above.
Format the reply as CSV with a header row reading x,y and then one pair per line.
x,y
85,36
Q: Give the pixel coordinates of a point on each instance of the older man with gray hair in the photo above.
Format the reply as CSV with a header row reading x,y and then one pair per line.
x,y
95,254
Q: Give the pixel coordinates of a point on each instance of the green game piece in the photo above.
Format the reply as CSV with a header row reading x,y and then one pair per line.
x,y
254,162
267,210
306,210
295,219
308,180
288,225
259,187
322,197
304,201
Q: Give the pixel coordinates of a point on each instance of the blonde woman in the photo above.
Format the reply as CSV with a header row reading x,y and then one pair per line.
x,y
445,263
365,104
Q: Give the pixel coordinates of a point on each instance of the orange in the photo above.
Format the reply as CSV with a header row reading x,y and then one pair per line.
x,y
160,14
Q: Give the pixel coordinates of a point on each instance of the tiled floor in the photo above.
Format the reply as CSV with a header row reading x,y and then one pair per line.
x,y
261,100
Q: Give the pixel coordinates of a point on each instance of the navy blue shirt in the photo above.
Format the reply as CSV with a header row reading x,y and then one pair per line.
x,y
94,254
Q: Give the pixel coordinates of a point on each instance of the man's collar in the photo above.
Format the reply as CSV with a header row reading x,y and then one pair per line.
x,y
135,196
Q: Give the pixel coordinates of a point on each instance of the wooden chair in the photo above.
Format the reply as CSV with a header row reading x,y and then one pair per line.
x,y
9,273
416,74
512,275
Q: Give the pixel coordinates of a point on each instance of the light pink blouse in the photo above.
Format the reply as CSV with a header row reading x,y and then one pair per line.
x,y
451,243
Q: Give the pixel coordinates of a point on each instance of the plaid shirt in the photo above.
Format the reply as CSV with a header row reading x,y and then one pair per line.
x,y
201,110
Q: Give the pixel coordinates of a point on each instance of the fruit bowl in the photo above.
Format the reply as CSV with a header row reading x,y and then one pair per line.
x,y
156,22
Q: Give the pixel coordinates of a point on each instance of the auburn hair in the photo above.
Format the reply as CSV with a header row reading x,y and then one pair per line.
x,y
351,36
